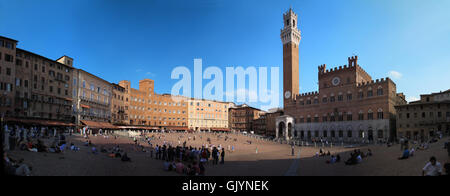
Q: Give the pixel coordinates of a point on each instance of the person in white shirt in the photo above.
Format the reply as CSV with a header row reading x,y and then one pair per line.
x,y
411,152
432,168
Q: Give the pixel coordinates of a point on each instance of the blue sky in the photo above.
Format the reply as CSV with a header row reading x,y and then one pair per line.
x,y
137,39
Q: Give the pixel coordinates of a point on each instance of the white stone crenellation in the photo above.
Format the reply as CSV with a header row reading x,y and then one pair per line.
x,y
290,32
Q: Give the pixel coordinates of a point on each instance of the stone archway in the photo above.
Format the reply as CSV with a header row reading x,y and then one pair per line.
x,y
289,130
281,129
285,127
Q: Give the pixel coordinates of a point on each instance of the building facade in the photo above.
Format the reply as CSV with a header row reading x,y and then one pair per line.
x,y
271,119
208,115
423,119
92,99
260,125
7,75
242,117
266,124
119,116
147,108
349,106
33,86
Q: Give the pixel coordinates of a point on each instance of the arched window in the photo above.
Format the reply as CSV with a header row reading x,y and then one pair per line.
x,y
380,91
370,92
349,96
341,116
380,113
340,96
360,94
324,99
324,118
360,115
370,115
349,116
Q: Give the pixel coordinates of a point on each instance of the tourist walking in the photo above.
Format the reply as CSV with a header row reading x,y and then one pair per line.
x,y
223,156
293,153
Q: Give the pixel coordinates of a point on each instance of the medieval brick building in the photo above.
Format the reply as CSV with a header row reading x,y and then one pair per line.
x,y
349,106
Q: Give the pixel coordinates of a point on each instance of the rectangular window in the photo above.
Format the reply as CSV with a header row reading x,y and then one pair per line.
x,y
19,62
369,93
9,58
17,82
9,45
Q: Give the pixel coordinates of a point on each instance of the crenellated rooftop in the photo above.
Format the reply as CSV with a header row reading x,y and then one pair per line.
x,y
374,82
303,95
352,63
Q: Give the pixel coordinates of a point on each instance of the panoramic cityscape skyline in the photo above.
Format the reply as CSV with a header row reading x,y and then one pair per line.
x,y
224,88
403,41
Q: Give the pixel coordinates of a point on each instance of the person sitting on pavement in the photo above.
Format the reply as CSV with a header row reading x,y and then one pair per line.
x,y
411,152
405,154
432,168
15,168
125,158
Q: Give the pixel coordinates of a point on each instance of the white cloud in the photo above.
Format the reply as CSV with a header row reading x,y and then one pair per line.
x,y
395,74
412,98
247,93
150,74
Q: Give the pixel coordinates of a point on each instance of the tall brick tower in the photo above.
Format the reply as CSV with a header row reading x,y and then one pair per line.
x,y
290,36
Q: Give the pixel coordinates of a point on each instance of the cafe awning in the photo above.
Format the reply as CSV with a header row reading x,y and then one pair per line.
x,y
220,129
39,122
98,125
